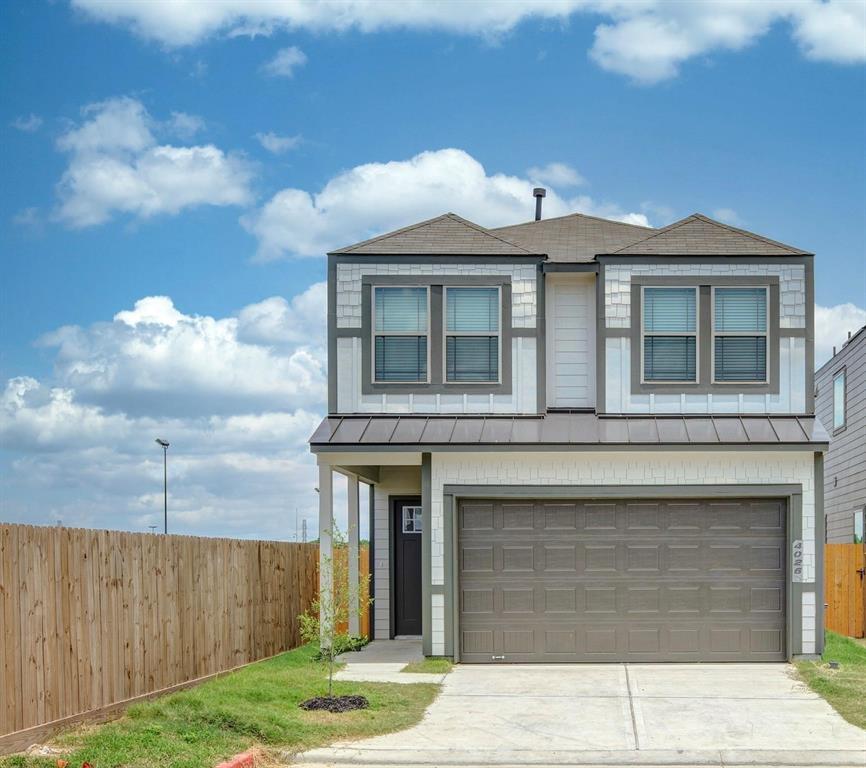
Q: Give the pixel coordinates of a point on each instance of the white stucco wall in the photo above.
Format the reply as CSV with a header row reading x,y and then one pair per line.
x,y
622,468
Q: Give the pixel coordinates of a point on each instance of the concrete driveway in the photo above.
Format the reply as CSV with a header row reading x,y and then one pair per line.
x,y
617,714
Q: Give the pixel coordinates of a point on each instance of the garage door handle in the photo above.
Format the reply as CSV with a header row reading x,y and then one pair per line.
x,y
861,571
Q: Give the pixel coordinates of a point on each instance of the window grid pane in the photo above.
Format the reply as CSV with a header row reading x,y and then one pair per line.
x,y
670,358
401,358
670,310
741,358
401,309
472,358
742,310
472,309
412,520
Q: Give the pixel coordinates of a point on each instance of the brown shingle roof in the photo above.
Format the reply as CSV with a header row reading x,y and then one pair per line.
x,y
698,235
443,235
574,238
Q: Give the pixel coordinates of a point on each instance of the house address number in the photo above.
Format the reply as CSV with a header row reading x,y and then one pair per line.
x,y
797,560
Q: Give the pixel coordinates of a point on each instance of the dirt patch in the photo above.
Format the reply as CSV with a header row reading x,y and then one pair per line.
x,y
335,703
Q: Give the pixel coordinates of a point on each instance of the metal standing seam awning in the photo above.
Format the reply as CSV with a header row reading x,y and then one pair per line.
x,y
563,431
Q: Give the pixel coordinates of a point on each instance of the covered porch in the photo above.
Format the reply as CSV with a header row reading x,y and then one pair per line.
x,y
389,489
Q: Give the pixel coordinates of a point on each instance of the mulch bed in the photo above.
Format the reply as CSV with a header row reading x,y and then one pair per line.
x,y
335,703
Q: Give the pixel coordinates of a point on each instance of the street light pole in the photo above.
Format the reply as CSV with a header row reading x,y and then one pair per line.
x,y
164,444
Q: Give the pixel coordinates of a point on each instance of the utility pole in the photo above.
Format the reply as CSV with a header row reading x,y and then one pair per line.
x,y
164,445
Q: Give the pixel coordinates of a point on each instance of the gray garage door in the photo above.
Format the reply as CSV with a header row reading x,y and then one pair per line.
x,y
625,580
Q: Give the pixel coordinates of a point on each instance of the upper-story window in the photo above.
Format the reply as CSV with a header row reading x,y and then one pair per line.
x,y
839,392
401,329
472,334
740,323
670,334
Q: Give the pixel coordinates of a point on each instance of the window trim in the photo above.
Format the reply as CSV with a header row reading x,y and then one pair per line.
x,y
696,334
374,334
842,371
419,513
436,284
630,333
478,334
747,334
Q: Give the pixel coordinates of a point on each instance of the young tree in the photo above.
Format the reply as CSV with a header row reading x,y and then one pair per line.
x,y
327,618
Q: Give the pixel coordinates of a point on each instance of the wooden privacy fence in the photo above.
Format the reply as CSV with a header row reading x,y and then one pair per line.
x,y
844,566
363,579
92,618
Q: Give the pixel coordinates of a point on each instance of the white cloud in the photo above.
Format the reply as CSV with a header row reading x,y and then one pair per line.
x,y
833,31
377,197
728,216
832,325
647,40
278,144
117,166
28,124
277,322
285,62
557,174
185,126
237,411
155,358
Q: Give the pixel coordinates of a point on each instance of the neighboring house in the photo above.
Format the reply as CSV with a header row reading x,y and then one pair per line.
x,y
840,403
586,440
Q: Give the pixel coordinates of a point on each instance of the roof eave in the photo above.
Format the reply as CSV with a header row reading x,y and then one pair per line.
x,y
512,447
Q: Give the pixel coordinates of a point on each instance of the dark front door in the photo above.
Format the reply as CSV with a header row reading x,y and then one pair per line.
x,y
408,523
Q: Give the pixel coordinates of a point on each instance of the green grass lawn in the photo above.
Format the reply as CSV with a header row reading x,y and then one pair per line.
x,y
436,665
255,706
844,688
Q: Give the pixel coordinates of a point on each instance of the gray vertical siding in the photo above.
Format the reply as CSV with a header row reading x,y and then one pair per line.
x,y
845,463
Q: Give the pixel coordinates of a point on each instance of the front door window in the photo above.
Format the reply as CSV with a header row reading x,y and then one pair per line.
x,y
412,520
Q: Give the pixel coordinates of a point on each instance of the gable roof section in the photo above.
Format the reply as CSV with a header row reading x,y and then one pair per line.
x,y
574,238
698,235
448,234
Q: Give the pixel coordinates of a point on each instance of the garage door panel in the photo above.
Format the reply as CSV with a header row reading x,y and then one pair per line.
x,y
562,517
623,580
560,557
518,517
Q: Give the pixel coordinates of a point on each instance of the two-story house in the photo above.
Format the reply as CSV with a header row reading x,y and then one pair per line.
x,y
586,440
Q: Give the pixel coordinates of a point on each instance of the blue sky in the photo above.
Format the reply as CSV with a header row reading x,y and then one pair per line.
x,y
135,166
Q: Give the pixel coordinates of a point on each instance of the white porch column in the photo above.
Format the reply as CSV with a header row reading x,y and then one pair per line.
x,y
326,525
354,560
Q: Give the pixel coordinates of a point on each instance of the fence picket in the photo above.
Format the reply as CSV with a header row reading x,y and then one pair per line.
x,y
92,618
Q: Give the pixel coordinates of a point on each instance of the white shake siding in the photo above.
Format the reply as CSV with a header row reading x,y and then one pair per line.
x,y
523,397
792,350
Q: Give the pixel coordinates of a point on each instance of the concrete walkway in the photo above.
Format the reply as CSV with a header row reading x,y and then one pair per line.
x,y
382,661
650,715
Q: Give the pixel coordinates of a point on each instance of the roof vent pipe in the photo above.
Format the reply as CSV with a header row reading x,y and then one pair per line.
x,y
539,193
